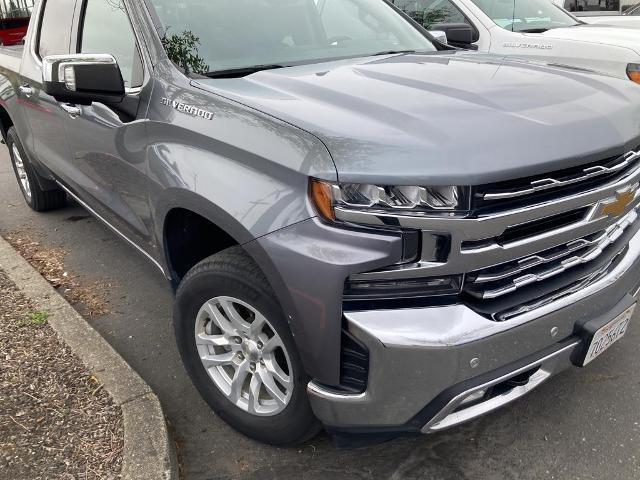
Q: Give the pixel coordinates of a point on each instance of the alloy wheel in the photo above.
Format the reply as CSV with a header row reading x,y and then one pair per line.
x,y
22,172
244,356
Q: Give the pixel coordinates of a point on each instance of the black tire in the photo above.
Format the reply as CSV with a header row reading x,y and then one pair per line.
x,y
36,197
232,273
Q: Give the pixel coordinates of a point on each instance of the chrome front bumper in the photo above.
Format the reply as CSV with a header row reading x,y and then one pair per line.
x,y
424,362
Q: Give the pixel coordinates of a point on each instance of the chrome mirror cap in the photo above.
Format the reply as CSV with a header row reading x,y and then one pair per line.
x,y
83,78
440,36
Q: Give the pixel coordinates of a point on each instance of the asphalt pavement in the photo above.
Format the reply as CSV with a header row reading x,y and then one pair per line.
x,y
582,424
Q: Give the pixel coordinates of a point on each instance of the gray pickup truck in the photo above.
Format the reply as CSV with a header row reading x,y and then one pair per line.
x,y
366,230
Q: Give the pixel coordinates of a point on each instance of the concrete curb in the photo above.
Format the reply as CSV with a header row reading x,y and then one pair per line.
x,y
148,450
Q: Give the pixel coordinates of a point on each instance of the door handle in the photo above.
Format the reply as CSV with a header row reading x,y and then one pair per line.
x,y
73,110
26,90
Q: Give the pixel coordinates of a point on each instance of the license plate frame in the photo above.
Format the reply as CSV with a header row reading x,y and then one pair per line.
x,y
608,335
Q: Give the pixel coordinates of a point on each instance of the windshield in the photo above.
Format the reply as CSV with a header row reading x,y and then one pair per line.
x,y
205,36
526,15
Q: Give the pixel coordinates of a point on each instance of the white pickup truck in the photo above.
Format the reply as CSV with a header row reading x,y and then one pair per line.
x,y
530,29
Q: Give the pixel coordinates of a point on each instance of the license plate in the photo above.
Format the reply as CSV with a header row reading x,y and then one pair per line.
x,y
609,334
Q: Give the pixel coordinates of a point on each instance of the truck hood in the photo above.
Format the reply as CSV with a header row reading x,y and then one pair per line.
x,y
446,118
596,33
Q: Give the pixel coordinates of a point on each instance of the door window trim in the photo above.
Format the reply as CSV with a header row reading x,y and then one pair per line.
x,y
78,29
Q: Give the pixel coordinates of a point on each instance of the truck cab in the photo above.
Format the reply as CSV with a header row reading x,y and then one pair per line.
x,y
537,30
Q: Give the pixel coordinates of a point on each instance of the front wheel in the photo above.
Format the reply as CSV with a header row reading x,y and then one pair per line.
x,y
239,351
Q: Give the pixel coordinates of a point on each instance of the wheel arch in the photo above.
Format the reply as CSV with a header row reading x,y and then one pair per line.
x,y
6,122
178,216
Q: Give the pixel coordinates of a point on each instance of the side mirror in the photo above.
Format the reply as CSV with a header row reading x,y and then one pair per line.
x,y
440,36
83,78
458,34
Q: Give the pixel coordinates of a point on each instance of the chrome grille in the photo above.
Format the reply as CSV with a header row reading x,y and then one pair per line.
x,y
581,178
574,287
495,282
517,253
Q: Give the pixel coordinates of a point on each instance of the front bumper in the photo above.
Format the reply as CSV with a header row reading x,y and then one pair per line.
x,y
424,361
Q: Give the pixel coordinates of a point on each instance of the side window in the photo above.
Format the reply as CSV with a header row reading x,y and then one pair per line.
x,y
106,29
53,38
432,12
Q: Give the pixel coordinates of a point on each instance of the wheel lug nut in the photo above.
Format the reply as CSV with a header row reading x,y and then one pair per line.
x,y
240,356
238,340
253,367
260,345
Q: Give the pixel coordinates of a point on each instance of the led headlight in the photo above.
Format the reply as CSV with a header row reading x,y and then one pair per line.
x,y
633,72
408,199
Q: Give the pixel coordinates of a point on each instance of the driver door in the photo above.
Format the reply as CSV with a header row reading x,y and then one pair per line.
x,y
108,142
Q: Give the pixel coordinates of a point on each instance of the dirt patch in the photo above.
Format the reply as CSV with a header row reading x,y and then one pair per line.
x,y
56,421
89,299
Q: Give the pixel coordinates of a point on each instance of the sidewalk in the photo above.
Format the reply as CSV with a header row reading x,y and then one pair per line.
x,y
98,401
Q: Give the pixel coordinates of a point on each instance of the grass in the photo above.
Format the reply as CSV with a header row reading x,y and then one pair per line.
x,y
36,318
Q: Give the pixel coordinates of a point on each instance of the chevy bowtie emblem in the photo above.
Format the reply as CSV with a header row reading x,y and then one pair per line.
x,y
615,207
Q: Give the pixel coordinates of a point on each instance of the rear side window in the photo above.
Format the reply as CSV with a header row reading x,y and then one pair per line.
x,y
55,26
106,29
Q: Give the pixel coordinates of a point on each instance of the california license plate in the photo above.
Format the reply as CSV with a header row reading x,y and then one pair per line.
x,y
605,337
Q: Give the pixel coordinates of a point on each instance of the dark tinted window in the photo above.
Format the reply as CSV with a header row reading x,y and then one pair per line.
x,y
55,27
107,29
592,5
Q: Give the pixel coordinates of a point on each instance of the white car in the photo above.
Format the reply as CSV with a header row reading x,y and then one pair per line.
x,y
530,29
593,11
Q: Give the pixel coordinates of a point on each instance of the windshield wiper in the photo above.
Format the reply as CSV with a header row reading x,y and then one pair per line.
x,y
241,72
533,30
391,52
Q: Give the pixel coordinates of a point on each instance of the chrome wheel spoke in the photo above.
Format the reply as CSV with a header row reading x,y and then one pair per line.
x,y
273,343
238,381
234,317
225,325
209,360
278,374
214,340
257,325
254,394
270,386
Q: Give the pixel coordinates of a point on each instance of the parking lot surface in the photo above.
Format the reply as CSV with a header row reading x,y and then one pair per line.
x,y
583,424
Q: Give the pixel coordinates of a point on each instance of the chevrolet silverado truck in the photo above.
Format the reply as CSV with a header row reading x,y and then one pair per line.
x,y
530,29
366,230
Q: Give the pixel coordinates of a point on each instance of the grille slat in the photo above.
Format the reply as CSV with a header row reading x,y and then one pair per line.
x,y
501,280
582,175
560,293
542,188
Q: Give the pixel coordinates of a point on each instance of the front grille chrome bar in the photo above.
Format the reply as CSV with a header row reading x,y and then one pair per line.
x,y
562,262
576,287
550,183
